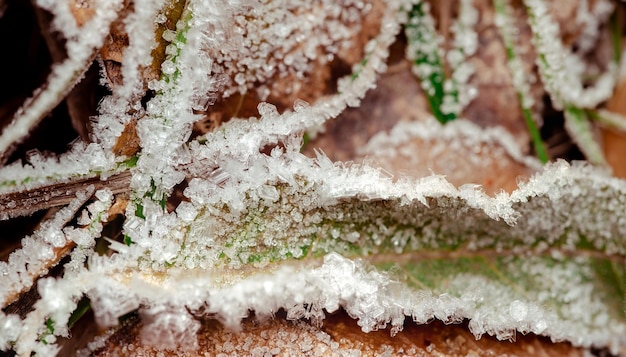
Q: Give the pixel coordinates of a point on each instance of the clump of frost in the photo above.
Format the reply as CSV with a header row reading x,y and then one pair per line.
x,y
259,42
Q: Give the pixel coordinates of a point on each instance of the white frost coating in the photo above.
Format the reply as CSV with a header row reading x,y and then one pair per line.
x,y
80,50
139,25
507,29
366,294
424,47
272,127
591,20
378,300
10,326
63,19
465,44
109,301
167,124
30,262
83,160
259,41
560,70
231,247
386,144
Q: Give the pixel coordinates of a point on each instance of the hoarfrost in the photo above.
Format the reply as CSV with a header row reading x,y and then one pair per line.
x,y
232,245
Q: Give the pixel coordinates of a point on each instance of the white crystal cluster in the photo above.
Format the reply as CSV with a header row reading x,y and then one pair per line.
x,y
258,41
263,230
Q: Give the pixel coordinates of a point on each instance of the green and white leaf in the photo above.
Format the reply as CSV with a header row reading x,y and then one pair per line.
x,y
547,259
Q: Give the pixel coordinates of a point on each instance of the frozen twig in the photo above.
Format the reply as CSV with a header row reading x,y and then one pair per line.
x,y
24,203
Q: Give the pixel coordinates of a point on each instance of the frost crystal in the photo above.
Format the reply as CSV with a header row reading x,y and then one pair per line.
x,y
261,227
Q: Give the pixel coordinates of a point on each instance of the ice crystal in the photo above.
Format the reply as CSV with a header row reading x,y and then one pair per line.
x,y
262,227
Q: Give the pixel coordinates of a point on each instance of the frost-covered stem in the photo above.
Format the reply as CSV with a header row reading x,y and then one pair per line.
x,y
608,118
446,96
164,129
423,49
25,202
465,44
63,76
140,61
578,125
59,296
39,251
561,80
504,23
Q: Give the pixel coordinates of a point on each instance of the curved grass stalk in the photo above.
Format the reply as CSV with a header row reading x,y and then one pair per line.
x,y
565,89
63,77
608,118
503,21
578,125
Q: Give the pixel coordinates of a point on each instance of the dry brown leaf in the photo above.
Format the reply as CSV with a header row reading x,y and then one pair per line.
x,y
615,142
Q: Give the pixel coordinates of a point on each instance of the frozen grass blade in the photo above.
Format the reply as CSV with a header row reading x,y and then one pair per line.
x,y
578,126
609,119
447,97
423,49
62,78
503,21
563,83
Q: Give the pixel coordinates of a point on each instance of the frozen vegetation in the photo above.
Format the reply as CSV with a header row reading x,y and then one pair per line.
x,y
268,229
